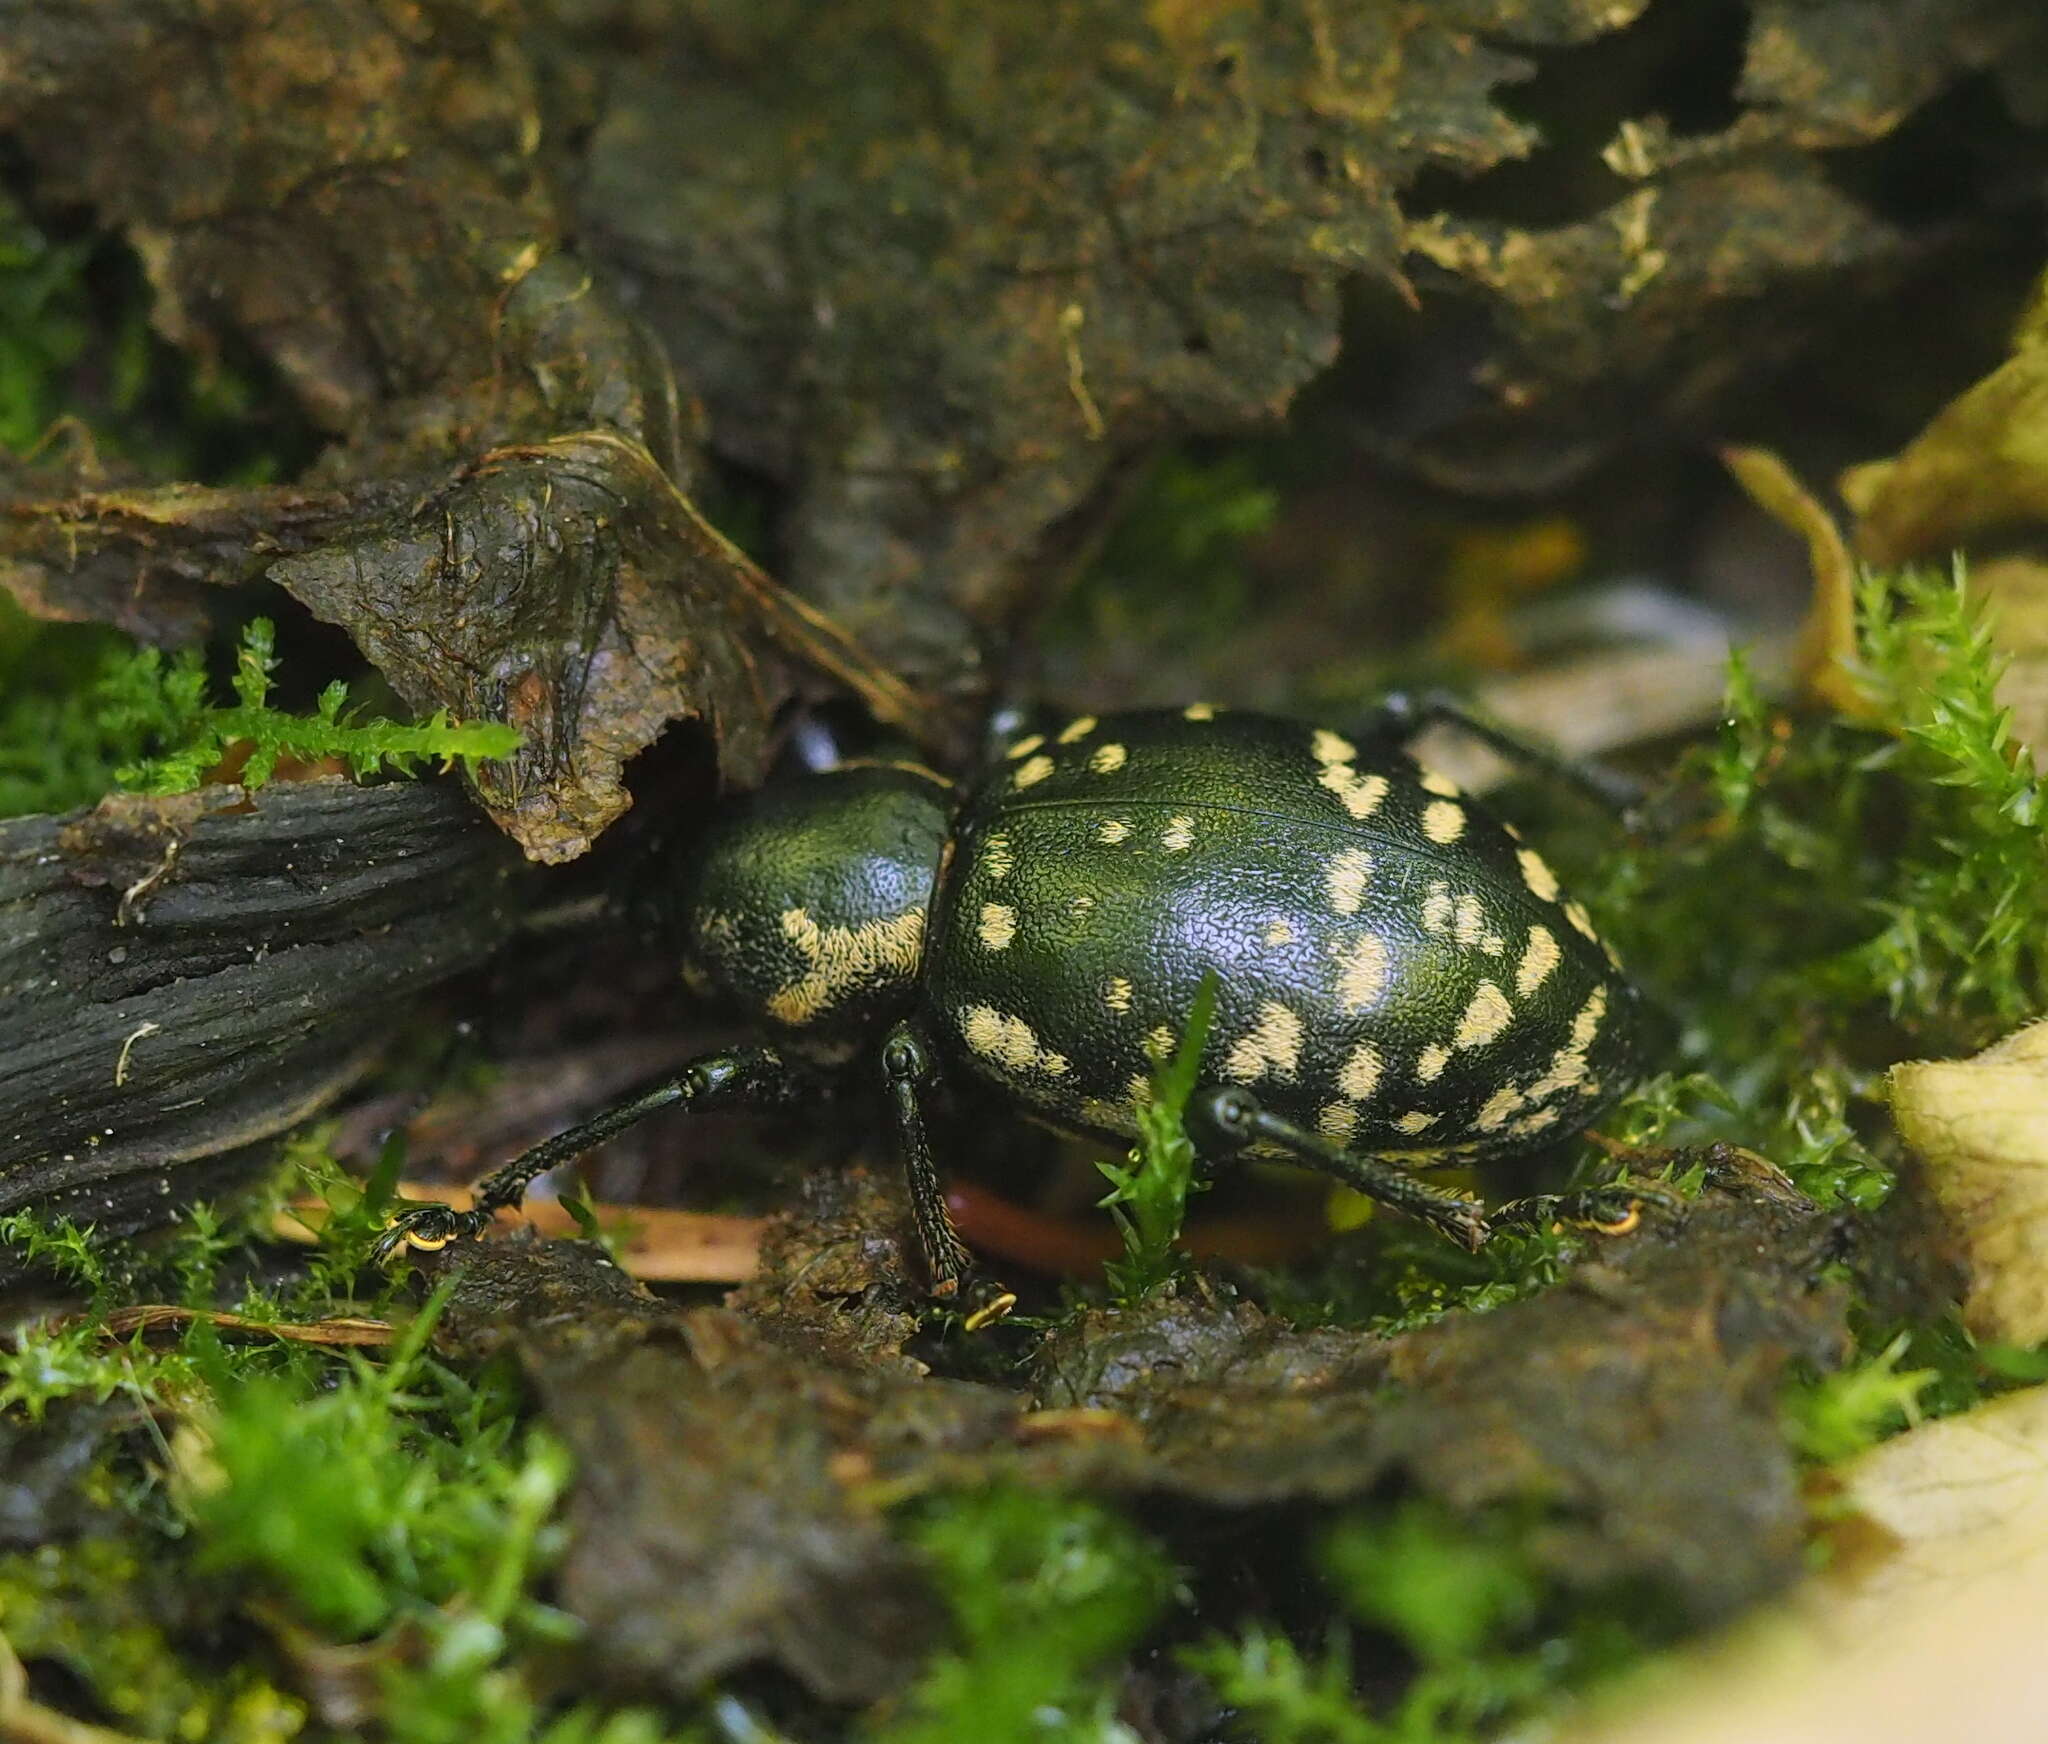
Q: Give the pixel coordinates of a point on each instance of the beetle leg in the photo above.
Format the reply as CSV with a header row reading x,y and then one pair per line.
x,y
1613,1208
745,1077
1404,714
1235,1118
906,1070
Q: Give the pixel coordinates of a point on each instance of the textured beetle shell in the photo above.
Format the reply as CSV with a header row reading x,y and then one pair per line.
x,y
1395,969
805,903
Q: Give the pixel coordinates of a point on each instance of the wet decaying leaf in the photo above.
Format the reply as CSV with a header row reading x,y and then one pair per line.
x,y
713,1523
183,979
355,187
943,308
942,277
735,1465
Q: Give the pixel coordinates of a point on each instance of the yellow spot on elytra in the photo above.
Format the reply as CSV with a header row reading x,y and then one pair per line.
x,y
1078,728
1441,785
1469,922
1106,759
1024,747
996,856
1329,747
1082,903
998,925
1179,835
1430,1063
1199,711
1160,1044
1360,794
1581,921
1008,1042
1485,1018
1415,1120
1437,908
1502,1103
1360,1075
1361,971
1112,831
1139,1090
1568,1065
1032,773
1538,959
1271,1046
1492,944
1542,882
839,960
1117,995
1538,1119
1278,932
1337,1120
1345,879
1443,821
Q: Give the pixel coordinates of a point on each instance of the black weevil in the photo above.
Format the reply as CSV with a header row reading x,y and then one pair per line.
x,y
1401,982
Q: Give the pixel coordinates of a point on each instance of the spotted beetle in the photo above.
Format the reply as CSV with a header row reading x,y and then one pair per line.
x,y
1401,982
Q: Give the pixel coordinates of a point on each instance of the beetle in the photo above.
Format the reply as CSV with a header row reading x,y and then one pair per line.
x,y
1401,980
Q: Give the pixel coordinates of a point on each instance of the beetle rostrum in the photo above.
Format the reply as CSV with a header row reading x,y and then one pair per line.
x,y
1401,980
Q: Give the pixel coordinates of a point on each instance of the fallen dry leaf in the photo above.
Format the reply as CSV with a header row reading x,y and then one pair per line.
x,y
1981,1128
1935,1635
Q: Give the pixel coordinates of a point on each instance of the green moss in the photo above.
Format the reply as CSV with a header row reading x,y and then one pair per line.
x,y
1148,1197
147,722
1044,1590
1824,898
1491,1638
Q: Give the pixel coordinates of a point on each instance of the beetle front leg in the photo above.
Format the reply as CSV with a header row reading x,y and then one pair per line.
x,y
745,1077
906,1071
1234,1118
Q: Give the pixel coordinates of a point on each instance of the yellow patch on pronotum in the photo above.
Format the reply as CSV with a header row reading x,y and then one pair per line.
x,y
1107,759
1441,785
1024,747
1199,711
1078,728
1033,772
1272,1046
1345,880
838,960
1485,1018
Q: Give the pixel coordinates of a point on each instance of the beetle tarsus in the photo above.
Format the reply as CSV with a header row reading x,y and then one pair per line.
x,y
428,1229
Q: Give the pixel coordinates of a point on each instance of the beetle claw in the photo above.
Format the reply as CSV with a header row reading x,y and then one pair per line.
x,y
426,1229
